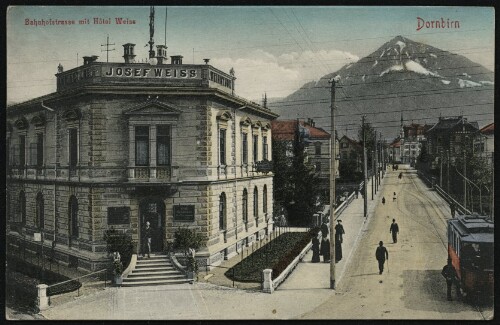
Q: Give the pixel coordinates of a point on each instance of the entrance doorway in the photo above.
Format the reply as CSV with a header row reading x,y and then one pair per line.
x,y
153,211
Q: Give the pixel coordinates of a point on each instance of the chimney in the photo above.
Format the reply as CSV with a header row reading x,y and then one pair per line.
x,y
161,54
176,59
89,59
128,53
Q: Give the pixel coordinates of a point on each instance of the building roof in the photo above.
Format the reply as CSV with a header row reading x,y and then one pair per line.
x,y
448,123
351,141
396,143
488,129
285,130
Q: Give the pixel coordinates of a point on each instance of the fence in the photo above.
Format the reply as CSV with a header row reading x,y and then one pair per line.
x,y
270,285
45,292
460,209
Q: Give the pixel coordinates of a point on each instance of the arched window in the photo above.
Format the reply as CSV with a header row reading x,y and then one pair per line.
x,y
40,212
222,211
245,206
264,199
73,217
22,207
255,203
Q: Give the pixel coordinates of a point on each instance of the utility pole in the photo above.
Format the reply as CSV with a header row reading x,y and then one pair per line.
x,y
492,186
365,172
332,185
107,50
373,172
382,149
441,169
375,167
448,171
465,164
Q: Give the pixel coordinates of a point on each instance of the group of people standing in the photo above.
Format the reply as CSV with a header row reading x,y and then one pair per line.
x,y
324,248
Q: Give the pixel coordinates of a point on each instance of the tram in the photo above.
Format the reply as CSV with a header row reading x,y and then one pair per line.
x,y
471,253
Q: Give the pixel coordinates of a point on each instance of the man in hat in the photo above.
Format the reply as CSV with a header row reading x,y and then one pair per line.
x,y
147,238
381,254
394,230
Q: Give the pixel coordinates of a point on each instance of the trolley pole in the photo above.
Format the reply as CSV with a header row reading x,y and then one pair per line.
x,y
332,185
365,172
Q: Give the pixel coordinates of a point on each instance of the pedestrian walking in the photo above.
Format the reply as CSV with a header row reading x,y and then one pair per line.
x,y
339,231
356,190
394,197
383,200
394,229
449,274
315,248
325,249
338,249
147,239
452,208
400,175
381,254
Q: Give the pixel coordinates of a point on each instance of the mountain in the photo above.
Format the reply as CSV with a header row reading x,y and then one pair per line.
x,y
401,77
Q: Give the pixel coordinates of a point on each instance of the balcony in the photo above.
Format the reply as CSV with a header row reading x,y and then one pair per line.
x,y
150,174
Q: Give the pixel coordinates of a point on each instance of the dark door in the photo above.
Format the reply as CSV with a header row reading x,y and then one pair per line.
x,y
153,211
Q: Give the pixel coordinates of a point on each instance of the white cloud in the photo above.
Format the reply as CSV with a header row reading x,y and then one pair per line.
x,y
260,72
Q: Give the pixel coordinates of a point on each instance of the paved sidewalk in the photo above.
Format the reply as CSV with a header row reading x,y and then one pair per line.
x,y
298,295
317,275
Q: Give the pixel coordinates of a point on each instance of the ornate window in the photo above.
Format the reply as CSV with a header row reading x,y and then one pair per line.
x,y
142,145
264,148
255,148
73,217
245,206
244,148
163,145
40,212
22,207
222,211
73,147
222,146
264,199
255,203
22,150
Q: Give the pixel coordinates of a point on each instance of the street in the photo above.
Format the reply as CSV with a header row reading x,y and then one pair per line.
x,y
411,286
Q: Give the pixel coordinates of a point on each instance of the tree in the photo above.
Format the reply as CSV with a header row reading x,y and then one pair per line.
x,y
295,183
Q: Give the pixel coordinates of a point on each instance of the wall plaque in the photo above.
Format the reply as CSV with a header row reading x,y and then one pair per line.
x,y
183,212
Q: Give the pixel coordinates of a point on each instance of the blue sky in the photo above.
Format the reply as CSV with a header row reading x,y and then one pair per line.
x,y
272,49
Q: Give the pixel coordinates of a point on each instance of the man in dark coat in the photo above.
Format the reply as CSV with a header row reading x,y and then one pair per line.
x,y
381,254
394,230
147,238
448,273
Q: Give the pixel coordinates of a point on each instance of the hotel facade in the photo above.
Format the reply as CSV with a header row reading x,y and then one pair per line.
x,y
119,144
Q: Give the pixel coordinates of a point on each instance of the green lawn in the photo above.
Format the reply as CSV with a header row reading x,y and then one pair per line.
x,y
275,255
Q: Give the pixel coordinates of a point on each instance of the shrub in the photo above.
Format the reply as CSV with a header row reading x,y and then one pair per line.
x,y
119,242
185,238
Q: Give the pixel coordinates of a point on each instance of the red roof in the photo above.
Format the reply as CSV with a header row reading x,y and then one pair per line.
x,y
285,130
488,129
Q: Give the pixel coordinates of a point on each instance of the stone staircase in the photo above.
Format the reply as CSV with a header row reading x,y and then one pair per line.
x,y
156,270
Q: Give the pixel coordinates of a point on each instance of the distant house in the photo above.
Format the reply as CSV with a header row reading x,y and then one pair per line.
x,y
317,145
484,144
351,150
451,134
395,151
413,136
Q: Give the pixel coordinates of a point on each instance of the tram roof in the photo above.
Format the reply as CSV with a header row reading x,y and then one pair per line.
x,y
474,228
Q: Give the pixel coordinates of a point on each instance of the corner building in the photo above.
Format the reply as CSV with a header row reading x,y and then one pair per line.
x,y
119,144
